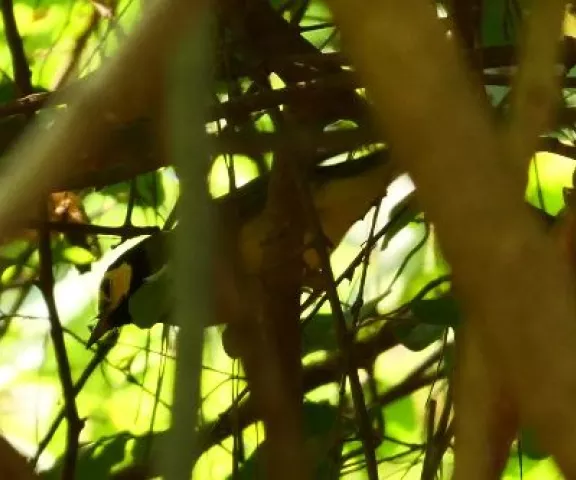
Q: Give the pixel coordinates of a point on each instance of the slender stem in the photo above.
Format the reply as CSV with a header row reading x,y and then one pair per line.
x,y
74,424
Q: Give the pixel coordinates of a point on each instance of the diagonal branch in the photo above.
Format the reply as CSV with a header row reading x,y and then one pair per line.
x,y
114,95
536,87
506,268
101,352
74,424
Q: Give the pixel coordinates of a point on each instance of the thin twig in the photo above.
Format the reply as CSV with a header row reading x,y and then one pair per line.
x,y
102,350
345,342
74,423
356,308
427,472
130,207
440,441
347,273
79,45
19,62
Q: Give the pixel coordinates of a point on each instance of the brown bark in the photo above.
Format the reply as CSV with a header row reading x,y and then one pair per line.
x,y
511,279
13,465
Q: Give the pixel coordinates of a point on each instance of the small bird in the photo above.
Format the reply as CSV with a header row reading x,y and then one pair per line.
x,y
122,279
342,194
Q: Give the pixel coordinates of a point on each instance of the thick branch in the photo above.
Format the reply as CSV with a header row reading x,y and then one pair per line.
x,y
535,92
506,268
115,94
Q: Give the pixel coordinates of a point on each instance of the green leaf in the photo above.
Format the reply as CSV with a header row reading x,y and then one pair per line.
x,y
443,311
417,337
318,334
17,273
14,249
319,418
530,445
150,303
78,255
7,89
500,22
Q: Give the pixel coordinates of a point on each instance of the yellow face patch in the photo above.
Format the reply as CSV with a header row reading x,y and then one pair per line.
x,y
115,286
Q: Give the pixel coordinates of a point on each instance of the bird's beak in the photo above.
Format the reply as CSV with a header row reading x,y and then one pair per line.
x,y
98,331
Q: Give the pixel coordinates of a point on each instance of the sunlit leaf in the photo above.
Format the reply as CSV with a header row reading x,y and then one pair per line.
x,y
14,249
17,273
244,169
78,255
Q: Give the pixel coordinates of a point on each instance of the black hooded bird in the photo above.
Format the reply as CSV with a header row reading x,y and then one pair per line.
x,y
122,279
342,193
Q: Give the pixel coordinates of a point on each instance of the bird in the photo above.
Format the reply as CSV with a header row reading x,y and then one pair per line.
x,y
342,193
122,279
